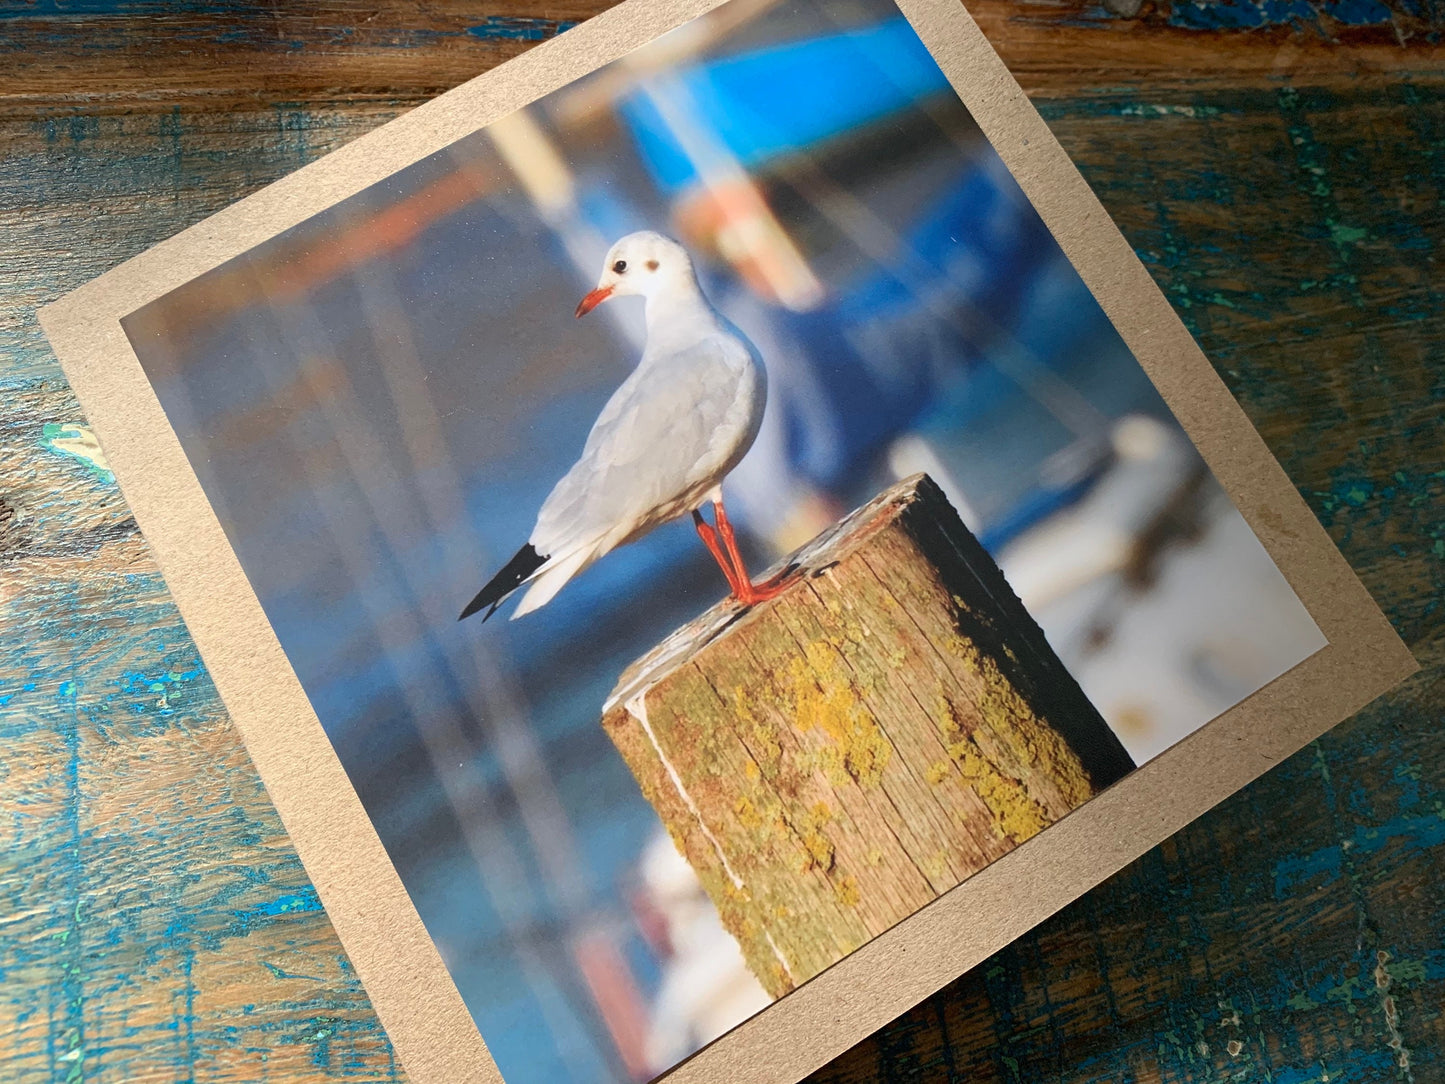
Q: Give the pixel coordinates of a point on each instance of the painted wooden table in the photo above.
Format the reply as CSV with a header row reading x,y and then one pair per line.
x,y
1279,166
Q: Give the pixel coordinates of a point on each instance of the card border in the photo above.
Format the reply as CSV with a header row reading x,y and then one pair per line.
x,y
399,966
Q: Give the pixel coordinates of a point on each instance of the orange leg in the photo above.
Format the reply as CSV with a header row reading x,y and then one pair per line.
x,y
748,593
709,539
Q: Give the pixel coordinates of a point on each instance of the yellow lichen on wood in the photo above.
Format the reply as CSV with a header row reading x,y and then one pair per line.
x,y
1017,815
761,739
833,760
747,813
818,849
825,699
1004,712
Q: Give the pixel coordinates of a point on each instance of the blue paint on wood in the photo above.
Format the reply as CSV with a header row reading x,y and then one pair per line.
x,y
1226,15
77,442
512,28
127,9
1359,12
1421,832
1314,16
291,903
88,918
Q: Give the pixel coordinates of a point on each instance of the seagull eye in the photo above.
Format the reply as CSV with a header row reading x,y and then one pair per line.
x,y
619,267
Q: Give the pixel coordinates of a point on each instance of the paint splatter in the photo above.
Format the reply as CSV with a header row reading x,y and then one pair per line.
x,y
79,443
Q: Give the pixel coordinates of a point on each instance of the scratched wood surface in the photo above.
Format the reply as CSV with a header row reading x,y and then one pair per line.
x,y
1278,164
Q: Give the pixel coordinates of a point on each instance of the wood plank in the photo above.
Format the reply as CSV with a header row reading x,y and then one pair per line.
x,y
221,56
1282,186
154,913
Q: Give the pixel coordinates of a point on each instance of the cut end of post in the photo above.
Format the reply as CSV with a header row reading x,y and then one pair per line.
x,y
813,559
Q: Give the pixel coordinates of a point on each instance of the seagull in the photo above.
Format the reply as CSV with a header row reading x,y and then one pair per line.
x,y
662,445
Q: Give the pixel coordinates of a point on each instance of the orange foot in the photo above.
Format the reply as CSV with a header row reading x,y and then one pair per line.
x,y
750,594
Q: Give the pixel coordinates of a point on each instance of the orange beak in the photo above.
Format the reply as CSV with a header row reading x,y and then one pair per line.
x,y
592,300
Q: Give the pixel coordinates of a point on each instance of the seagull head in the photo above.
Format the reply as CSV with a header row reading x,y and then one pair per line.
x,y
642,264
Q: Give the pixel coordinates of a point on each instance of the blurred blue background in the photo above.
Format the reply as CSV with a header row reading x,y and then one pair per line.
x,y
378,400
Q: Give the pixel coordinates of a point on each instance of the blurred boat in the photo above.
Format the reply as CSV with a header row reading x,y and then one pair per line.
x,y
705,988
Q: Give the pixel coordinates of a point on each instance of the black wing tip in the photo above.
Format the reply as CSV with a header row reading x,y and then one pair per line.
x,y
523,563
475,606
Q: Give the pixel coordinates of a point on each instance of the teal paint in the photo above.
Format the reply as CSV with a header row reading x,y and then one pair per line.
x,y
77,442
69,1050
281,973
1320,18
293,902
512,28
1189,904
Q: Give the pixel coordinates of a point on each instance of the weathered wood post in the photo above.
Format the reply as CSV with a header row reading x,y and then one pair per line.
x,y
831,761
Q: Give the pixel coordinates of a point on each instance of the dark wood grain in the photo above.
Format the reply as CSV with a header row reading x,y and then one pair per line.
x,y
1281,181
149,55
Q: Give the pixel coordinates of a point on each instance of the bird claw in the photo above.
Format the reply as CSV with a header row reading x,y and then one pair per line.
x,y
753,593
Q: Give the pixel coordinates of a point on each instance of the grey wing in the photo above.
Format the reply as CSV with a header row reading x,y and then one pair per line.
x,y
668,427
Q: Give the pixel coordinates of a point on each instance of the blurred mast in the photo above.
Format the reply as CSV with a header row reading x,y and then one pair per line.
x,y
549,185
594,97
501,708
729,207
394,623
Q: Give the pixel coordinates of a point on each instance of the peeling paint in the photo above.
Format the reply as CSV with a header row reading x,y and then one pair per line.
x,y
77,442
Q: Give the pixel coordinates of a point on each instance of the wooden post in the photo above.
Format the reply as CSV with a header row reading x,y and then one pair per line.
x,y
831,761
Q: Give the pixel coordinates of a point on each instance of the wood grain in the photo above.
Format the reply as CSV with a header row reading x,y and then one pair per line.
x,y
1282,183
834,760
143,55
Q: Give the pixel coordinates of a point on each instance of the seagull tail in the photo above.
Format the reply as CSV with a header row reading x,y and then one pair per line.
x,y
517,571
553,578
